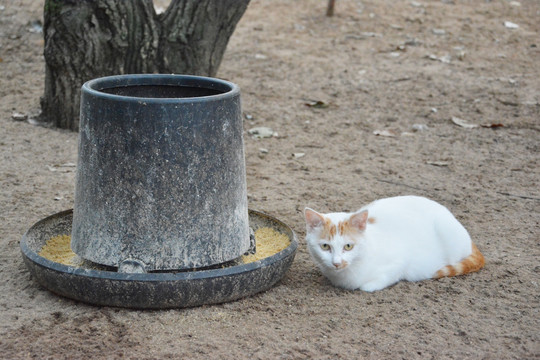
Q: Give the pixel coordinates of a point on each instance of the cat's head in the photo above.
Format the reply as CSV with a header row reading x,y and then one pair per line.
x,y
334,239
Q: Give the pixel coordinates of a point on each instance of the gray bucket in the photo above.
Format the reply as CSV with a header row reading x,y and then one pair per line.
x,y
161,181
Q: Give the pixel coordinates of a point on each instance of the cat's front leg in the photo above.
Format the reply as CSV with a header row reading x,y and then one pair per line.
x,y
377,284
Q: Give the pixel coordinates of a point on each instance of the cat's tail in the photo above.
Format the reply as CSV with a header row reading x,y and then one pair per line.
x,y
471,263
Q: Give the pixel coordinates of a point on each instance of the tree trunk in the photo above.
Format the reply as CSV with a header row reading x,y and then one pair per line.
x,y
86,39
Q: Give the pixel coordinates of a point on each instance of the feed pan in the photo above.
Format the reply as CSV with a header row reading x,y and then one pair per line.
x,y
97,285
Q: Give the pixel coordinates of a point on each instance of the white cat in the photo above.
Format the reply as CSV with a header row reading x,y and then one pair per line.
x,y
401,238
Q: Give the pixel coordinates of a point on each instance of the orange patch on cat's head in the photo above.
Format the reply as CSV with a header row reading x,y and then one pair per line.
x,y
345,228
352,227
329,229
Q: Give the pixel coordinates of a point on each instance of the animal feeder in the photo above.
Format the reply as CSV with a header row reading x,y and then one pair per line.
x,y
160,217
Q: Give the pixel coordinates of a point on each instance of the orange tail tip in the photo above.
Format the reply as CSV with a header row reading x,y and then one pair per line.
x,y
471,263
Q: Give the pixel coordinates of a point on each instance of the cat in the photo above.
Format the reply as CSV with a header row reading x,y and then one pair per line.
x,y
399,238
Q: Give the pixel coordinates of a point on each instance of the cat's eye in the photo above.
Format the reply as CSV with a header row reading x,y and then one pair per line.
x,y
325,247
348,247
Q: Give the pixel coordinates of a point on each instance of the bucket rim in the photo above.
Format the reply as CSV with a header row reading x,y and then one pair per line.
x,y
96,86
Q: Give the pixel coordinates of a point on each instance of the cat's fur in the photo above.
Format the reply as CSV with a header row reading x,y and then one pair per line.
x,y
401,238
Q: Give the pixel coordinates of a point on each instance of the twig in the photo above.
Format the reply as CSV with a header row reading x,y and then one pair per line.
x,y
406,78
507,102
519,196
400,184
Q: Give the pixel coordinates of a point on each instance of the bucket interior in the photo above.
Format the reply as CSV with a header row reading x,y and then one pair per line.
x,y
161,87
161,91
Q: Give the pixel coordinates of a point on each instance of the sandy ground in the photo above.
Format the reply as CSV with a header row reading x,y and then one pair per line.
x,y
380,66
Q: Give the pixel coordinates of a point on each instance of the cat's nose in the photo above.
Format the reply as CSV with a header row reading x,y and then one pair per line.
x,y
340,265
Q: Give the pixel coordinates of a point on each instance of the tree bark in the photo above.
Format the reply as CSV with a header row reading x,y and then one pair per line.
x,y
86,39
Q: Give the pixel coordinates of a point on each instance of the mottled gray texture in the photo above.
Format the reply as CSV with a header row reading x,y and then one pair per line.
x,y
161,176
153,290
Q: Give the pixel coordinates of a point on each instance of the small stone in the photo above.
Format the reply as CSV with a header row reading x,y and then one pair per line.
x,y
261,132
419,127
510,25
19,116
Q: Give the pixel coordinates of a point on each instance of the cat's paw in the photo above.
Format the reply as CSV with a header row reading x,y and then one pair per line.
x,y
374,285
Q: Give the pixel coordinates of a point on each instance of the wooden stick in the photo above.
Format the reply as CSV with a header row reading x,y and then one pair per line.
x,y
518,196
330,8
400,184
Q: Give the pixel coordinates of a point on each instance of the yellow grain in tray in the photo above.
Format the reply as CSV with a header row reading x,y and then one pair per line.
x,y
58,249
268,242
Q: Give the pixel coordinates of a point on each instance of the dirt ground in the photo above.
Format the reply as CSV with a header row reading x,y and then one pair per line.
x,y
386,67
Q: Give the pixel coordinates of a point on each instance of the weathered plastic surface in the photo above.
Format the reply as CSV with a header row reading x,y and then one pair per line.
x,y
161,172
157,290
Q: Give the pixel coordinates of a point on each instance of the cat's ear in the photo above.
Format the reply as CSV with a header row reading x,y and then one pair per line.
x,y
313,218
358,220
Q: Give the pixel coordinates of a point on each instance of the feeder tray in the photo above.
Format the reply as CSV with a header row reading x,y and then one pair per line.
x,y
99,285
161,216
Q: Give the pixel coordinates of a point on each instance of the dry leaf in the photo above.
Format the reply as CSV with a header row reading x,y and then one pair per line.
x,y
444,59
438,163
262,132
317,104
64,168
497,125
35,122
419,127
387,133
463,123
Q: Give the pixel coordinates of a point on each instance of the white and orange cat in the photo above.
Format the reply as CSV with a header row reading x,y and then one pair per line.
x,y
400,238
